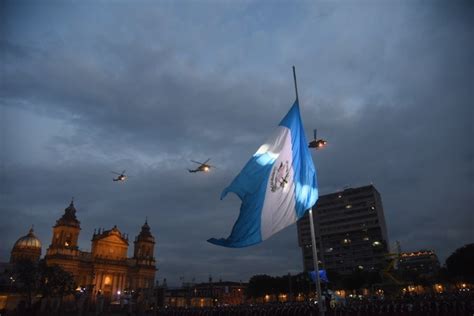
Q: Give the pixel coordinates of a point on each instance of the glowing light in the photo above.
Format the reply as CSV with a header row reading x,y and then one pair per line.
x,y
265,158
376,243
348,206
107,280
303,192
118,292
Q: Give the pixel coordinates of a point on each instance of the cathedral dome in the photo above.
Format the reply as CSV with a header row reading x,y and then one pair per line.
x,y
26,247
29,241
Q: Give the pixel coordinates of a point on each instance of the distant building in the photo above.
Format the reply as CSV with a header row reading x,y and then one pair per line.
x,y
206,294
105,269
350,231
422,262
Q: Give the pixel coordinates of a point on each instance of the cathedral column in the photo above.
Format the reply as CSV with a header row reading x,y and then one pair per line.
x,y
101,281
122,287
96,280
114,283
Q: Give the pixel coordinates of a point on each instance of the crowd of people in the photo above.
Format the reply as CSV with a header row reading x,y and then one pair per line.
x,y
459,304
412,305
447,304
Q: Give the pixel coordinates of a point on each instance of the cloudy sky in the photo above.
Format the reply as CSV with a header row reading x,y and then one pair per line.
x,y
93,87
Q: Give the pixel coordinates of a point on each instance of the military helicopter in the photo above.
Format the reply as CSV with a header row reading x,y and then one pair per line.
x,y
120,176
203,166
317,143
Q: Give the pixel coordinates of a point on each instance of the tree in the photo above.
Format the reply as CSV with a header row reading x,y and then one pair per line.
x,y
461,262
354,281
56,282
27,278
259,285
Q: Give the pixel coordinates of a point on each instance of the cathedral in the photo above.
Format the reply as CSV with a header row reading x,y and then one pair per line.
x,y
106,269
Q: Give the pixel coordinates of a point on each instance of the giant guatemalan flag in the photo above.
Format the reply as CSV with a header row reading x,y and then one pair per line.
x,y
277,185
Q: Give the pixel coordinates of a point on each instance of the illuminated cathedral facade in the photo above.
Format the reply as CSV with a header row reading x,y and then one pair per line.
x,y
106,269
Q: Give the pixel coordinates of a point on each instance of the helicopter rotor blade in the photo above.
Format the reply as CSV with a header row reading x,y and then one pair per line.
x,y
199,163
205,162
123,172
116,173
315,131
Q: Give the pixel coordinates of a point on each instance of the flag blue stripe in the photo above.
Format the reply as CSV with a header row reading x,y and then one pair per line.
x,y
306,192
250,186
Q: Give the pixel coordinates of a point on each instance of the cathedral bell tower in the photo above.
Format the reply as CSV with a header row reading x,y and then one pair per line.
x,y
64,250
142,275
144,245
66,231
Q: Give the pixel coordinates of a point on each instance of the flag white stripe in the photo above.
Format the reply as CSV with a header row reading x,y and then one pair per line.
x,y
278,209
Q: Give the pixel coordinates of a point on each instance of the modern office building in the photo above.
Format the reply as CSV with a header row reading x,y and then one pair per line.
x,y
350,231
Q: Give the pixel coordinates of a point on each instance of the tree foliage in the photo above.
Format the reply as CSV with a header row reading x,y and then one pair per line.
x,y
27,276
55,281
360,279
261,285
32,277
461,262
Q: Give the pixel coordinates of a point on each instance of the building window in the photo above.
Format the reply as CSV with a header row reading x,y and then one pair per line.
x,y
107,280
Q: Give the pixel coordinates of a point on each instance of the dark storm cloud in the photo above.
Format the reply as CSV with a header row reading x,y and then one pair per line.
x,y
91,88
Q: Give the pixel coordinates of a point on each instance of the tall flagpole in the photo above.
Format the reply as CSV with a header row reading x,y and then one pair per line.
x,y
296,86
313,236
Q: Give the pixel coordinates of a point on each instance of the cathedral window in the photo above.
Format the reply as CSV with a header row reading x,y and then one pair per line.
x,y
107,280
